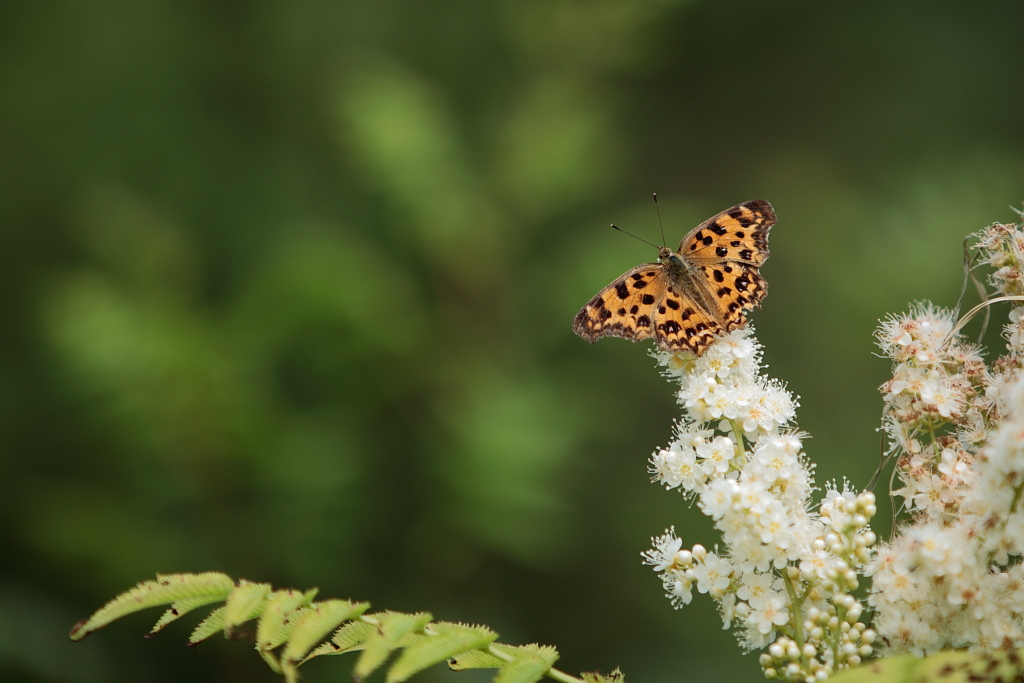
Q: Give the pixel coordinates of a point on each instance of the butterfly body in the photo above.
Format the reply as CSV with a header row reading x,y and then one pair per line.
x,y
690,296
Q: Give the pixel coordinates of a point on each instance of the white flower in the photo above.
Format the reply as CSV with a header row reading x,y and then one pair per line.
x,y
770,613
756,587
677,467
665,549
716,455
942,396
713,574
680,592
719,496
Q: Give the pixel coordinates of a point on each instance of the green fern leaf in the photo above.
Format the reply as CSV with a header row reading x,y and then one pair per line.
x,y
348,638
494,657
391,629
244,603
291,619
181,608
319,620
276,623
213,623
948,667
447,639
167,588
597,677
529,665
475,659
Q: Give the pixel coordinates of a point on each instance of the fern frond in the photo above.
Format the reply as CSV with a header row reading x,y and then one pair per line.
x,y
291,628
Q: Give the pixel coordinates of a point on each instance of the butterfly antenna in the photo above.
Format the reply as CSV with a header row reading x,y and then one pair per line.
x,y
635,237
658,210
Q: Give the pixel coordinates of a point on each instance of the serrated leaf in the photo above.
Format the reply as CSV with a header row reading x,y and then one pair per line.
x,y
348,638
213,623
318,620
486,659
474,659
352,636
271,660
180,609
244,603
597,677
275,624
392,627
450,639
528,666
167,588
944,667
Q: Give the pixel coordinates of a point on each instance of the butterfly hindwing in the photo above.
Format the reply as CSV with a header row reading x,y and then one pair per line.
x,y
736,286
683,325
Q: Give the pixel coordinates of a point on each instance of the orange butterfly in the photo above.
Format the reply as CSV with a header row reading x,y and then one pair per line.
x,y
693,295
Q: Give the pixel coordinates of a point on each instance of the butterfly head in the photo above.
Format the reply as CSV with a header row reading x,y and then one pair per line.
x,y
669,257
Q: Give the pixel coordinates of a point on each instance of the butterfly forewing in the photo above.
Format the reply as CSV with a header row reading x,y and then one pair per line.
x,y
736,234
626,307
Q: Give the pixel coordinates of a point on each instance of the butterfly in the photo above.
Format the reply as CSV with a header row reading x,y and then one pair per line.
x,y
691,296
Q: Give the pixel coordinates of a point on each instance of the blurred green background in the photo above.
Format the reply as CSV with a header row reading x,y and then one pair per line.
x,y
287,293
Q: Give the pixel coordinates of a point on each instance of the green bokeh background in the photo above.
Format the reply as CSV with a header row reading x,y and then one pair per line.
x,y
287,292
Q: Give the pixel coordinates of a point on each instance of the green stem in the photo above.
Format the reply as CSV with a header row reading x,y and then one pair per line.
x,y
1017,491
798,613
737,434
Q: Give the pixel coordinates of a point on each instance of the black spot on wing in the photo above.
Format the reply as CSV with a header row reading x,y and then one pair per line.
x,y
741,217
669,327
622,290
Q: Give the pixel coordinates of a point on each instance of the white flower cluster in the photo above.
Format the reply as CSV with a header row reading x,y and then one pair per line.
x,y
937,386
785,575
953,576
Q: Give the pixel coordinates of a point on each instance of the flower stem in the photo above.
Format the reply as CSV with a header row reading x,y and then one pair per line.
x,y
737,435
798,611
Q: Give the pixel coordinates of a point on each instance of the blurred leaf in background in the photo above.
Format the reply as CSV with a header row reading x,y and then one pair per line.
x,y
287,291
